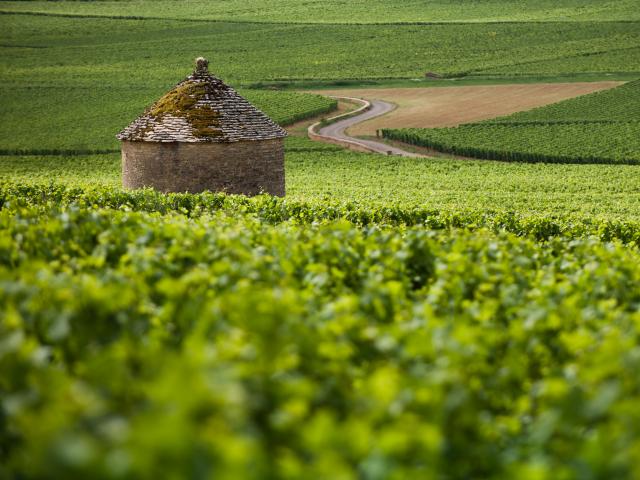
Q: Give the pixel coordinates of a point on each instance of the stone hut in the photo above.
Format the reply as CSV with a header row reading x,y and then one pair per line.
x,y
202,135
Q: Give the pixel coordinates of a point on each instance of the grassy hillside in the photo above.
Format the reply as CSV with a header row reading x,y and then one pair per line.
x,y
336,11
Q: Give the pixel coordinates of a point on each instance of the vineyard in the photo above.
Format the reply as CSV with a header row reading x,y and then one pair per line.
x,y
87,119
321,177
271,210
308,347
592,62
66,86
389,318
65,53
602,127
563,143
618,105
336,11
288,107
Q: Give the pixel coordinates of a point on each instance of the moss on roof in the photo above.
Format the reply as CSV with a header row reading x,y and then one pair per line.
x,y
182,102
201,108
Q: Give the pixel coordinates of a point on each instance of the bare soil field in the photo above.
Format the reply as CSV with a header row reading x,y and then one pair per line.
x,y
450,106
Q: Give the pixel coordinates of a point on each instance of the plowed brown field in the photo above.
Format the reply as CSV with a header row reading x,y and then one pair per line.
x,y
449,106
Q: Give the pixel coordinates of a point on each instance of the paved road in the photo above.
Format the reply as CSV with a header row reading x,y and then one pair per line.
x,y
378,107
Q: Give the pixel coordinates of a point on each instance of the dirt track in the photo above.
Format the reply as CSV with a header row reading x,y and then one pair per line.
x,y
449,106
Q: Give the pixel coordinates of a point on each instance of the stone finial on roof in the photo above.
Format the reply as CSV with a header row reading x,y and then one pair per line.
x,y
202,65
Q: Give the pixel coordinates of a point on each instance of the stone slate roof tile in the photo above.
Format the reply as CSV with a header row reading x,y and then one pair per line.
x,y
202,108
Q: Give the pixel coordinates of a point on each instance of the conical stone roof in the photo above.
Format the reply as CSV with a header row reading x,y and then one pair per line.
x,y
202,108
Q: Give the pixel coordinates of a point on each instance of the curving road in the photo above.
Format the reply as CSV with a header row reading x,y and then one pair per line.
x,y
336,131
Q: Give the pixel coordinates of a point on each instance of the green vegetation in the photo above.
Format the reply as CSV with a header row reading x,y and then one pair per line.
x,y
426,82
226,343
151,53
87,119
390,318
336,11
304,144
540,226
323,176
617,105
70,84
562,143
621,59
289,107
602,127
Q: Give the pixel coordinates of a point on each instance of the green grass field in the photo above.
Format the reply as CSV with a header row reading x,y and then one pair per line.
x,y
389,318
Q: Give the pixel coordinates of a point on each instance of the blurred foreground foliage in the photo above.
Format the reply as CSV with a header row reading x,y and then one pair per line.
x,y
191,336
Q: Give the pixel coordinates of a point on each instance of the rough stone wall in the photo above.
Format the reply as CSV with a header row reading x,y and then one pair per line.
x,y
246,167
